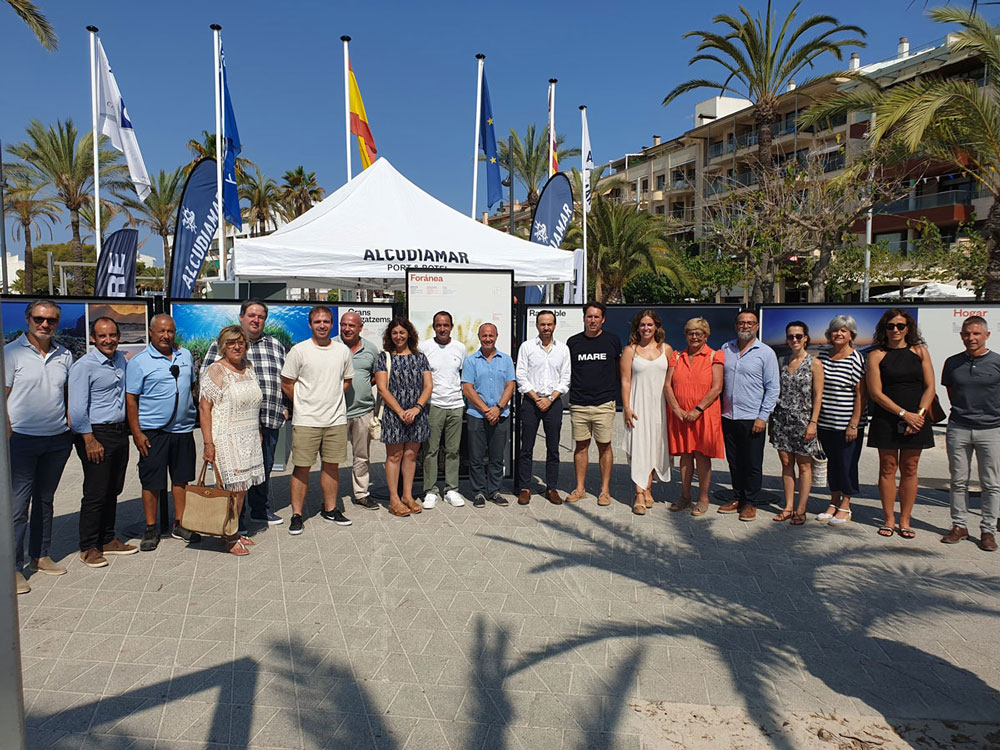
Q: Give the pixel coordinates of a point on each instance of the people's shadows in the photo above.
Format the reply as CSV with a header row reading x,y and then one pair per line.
x,y
819,614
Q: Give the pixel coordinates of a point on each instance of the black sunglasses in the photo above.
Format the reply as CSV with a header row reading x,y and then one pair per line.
x,y
896,326
795,336
39,319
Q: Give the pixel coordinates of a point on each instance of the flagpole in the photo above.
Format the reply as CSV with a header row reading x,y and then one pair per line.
x,y
216,41
584,184
347,102
552,121
475,141
97,142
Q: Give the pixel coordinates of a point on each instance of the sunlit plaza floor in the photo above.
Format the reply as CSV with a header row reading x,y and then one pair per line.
x,y
541,627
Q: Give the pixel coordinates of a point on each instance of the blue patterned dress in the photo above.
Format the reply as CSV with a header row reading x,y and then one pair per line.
x,y
406,383
793,411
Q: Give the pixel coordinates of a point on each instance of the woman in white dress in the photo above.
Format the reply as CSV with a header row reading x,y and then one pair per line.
x,y
644,406
230,422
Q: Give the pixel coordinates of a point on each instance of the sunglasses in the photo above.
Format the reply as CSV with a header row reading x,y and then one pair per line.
x,y
896,326
795,336
39,319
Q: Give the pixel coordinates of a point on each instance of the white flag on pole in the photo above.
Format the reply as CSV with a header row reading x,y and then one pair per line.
x,y
114,123
588,159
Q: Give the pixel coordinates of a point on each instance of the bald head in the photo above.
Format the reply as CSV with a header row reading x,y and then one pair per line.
x,y
161,333
350,328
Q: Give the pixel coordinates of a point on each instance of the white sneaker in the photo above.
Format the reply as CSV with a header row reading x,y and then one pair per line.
x,y
454,498
430,500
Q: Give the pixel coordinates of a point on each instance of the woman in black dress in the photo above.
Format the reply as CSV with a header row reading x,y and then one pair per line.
x,y
403,379
901,387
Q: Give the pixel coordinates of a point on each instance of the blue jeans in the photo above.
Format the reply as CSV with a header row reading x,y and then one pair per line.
x,y
487,446
36,466
259,496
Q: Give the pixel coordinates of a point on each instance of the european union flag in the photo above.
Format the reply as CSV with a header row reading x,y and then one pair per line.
x,y
230,193
488,141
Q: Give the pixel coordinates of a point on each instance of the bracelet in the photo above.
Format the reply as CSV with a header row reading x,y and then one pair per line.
x,y
921,411
208,443
852,427
699,409
812,421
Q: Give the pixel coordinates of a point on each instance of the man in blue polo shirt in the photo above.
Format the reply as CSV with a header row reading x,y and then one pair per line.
x,y
159,383
488,383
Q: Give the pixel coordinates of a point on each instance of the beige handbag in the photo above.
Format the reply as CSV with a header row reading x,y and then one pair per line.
x,y
375,426
210,510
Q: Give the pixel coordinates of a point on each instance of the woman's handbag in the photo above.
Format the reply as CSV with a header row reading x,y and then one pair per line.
x,y
210,510
375,426
820,465
936,413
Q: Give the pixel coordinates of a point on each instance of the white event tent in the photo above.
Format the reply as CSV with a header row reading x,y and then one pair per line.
x,y
367,233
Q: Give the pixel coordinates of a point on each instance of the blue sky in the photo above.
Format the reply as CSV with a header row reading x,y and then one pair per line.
x,y
415,65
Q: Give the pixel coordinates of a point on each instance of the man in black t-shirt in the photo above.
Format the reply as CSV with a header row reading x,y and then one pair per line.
x,y
593,388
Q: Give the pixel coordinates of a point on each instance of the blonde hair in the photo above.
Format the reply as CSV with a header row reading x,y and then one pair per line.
x,y
699,324
230,333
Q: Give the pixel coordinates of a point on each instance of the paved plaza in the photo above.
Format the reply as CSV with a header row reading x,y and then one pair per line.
x,y
566,626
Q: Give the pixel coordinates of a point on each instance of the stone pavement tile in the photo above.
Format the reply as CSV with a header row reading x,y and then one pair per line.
x,y
54,619
528,737
365,664
269,689
576,739
602,681
427,734
812,695
391,732
276,657
163,604
209,628
43,643
896,702
396,668
88,646
140,649
62,710
203,654
52,739
410,701
265,726
65,597
675,688
139,681
75,675
35,671
446,701
128,716
164,744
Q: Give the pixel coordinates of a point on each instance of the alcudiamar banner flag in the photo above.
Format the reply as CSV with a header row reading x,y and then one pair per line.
x,y
359,123
488,141
588,160
230,192
116,265
197,222
113,121
553,214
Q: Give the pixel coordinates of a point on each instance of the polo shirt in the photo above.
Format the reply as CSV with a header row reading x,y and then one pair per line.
x,y
148,377
489,378
37,401
751,381
360,397
96,391
974,389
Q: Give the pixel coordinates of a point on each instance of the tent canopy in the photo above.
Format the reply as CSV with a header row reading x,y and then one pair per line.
x,y
932,290
372,229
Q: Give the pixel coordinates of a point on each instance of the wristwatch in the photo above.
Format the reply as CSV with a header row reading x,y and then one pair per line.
x,y
699,409
902,413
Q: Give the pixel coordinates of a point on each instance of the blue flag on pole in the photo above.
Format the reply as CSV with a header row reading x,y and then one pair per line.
x,y
116,266
230,194
197,221
488,141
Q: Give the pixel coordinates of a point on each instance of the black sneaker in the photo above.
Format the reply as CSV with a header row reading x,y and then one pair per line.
x,y
150,539
479,501
500,500
335,516
365,502
295,527
179,532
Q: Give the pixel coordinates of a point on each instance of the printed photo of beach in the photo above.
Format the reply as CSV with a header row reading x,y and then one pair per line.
x,y
132,324
72,331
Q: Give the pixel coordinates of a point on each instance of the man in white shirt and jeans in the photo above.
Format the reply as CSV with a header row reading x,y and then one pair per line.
x,y
543,371
315,377
445,357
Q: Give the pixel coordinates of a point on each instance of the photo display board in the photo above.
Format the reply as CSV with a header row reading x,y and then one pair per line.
x,y
132,317
472,298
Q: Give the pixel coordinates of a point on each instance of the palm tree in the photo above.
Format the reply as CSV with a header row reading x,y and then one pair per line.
x,y
37,22
159,211
760,61
531,158
265,201
54,154
206,148
109,212
31,212
299,191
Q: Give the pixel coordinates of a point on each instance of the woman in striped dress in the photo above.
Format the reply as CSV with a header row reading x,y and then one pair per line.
x,y
841,429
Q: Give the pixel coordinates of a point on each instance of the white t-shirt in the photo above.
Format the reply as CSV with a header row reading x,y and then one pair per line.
x,y
446,372
319,392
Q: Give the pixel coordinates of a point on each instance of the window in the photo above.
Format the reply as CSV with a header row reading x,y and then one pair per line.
x,y
659,210
645,184
661,181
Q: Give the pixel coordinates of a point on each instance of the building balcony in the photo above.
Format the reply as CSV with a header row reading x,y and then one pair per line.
x,y
925,202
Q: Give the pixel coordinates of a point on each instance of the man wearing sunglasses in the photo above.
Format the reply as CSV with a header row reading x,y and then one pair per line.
x,y
35,371
750,387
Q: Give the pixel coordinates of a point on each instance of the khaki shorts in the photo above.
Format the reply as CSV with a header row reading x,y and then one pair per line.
x,y
592,421
329,442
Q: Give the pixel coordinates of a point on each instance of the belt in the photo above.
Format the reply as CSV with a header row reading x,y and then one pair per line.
x,y
119,426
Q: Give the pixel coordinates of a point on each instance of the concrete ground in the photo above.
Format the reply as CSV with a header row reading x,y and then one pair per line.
x,y
566,626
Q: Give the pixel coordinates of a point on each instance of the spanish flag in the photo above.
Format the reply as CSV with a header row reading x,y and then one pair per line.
x,y
359,123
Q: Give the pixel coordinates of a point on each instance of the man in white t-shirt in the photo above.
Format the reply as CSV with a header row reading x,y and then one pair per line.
x,y
445,357
315,378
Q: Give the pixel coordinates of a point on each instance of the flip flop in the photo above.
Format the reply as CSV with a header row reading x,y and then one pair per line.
x,y
884,531
906,533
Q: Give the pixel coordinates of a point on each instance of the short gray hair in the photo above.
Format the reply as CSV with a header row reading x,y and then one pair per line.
x,y
40,303
842,321
976,320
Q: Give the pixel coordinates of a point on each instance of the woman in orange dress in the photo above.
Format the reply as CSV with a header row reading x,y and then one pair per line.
x,y
694,413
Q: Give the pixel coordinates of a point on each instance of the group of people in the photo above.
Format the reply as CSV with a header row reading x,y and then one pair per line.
x,y
695,403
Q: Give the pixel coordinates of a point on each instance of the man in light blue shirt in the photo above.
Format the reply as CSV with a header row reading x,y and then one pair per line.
x,y
97,417
488,382
750,389
35,371
159,383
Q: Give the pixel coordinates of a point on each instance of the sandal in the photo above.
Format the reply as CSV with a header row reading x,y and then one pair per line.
x,y
246,541
237,548
884,531
783,516
639,508
827,515
906,533
683,504
649,498
840,521
413,506
700,509
397,512
798,519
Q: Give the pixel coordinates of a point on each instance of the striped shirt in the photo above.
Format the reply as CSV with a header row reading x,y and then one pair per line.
x,y
840,380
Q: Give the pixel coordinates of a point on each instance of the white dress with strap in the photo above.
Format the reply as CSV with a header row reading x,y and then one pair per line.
x,y
646,443
235,401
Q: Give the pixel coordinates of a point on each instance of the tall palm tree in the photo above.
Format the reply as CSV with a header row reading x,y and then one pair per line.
x,y
55,155
159,211
531,158
264,199
953,121
206,148
31,212
109,212
299,191
37,22
760,60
